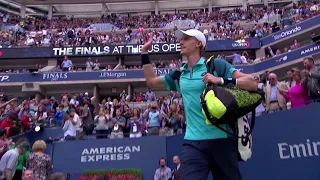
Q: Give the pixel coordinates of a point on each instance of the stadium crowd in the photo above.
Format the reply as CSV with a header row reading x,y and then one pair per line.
x,y
82,116
140,113
31,32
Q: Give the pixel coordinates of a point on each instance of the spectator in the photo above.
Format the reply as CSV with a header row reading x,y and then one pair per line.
x,y
171,123
74,101
103,123
9,160
164,172
140,97
135,124
66,64
176,172
58,117
298,95
123,95
154,117
274,100
57,69
295,44
172,65
51,121
13,131
150,96
27,175
290,81
314,7
4,142
270,52
24,109
89,65
311,79
30,42
2,114
53,103
178,99
8,105
75,118
39,162
119,123
40,115
244,57
69,127
260,109
56,176
22,159
96,65
87,120
9,121
236,58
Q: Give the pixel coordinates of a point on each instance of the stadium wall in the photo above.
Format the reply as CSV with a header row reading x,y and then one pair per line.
x,y
286,145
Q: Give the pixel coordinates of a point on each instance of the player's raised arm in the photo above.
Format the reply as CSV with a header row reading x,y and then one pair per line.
x,y
153,81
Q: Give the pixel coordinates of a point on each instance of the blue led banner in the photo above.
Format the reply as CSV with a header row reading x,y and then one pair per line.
x,y
226,45
281,59
78,76
138,74
290,31
130,49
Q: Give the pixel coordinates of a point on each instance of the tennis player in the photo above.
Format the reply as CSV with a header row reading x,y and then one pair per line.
x,y
205,148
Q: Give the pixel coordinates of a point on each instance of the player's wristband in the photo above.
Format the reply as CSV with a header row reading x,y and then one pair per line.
x,y
145,59
230,81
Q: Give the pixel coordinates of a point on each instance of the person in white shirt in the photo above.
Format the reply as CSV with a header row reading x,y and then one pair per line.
x,y
30,41
75,117
314,8
40,115
74,101
9,160
101,120
69,128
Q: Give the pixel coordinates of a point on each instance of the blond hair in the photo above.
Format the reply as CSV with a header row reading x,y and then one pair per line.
x,y
39,146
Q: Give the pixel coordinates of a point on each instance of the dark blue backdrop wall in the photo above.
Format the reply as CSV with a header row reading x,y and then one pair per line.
x,y
286,145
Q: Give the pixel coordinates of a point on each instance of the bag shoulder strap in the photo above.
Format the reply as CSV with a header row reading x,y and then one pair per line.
x,y
210,65
176,76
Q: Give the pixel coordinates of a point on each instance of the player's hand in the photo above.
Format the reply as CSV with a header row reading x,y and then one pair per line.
x,y
147,43
209,78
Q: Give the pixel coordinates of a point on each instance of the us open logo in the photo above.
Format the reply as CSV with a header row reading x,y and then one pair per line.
x,y
241,44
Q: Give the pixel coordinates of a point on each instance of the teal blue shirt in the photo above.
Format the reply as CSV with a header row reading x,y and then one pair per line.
x,y
191,87
154,119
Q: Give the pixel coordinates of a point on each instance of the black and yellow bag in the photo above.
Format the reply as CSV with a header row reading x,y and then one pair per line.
x,y
225,104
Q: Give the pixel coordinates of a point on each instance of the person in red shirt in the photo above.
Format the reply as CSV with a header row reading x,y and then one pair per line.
x,y
8,122
140,98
